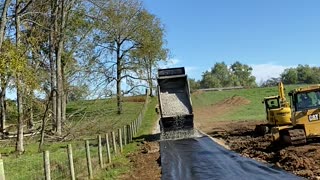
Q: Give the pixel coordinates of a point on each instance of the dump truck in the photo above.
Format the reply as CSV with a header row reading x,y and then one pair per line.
x,y
305,106
175,107
278,111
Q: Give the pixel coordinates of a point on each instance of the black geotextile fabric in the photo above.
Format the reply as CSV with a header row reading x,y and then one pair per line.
x,y
201,158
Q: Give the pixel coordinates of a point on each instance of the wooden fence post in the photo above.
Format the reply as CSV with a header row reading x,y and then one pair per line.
x,y
140,118
108,148
134,127
100,151
124,135
130,132
71,166
120,139
46,163
114,142
2,176
89,165
137,123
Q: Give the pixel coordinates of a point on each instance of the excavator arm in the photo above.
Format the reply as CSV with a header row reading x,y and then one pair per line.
x,y
281,92
282,96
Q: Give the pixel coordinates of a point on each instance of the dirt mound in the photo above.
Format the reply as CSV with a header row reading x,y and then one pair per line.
x,y
235,100
205,116
303,160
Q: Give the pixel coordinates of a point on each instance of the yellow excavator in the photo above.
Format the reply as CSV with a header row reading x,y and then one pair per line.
x,y
305,105
278,112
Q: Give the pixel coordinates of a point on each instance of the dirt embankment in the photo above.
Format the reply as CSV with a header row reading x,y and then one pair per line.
x,y
301,160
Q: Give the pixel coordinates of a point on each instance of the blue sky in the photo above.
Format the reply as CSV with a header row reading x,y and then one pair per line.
x,y
268,35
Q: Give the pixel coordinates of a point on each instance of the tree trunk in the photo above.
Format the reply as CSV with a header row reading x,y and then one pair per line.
x,y
150,82
19,143
43,126
64,96
3,21
2,110
119,68
3,83
59,91
52,46
30,112
59,68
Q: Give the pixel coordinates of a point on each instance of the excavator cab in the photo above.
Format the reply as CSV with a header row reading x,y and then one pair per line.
x,y
272,102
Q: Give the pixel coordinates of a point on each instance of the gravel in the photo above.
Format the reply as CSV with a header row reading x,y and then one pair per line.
x,y
175,104
180,134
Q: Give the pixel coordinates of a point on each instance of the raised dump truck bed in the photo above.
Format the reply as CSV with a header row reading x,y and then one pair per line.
x,y
174,100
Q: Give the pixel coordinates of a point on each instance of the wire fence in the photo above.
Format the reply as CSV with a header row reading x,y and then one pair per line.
x,y
77,160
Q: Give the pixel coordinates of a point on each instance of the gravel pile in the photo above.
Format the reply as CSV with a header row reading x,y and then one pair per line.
x,y
180,134
175,104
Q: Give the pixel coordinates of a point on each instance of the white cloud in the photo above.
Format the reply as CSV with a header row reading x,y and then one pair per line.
x,y
266,71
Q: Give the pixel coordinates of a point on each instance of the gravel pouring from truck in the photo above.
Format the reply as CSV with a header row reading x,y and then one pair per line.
x,y
174,100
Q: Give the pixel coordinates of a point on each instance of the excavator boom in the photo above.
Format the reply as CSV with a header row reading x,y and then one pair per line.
x,y
281,92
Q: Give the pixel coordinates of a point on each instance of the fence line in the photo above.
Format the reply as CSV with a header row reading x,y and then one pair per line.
x,y
69,164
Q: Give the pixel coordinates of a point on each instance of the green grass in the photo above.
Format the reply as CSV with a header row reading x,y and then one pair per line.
x,y
122,163
99,116
89,118
252,111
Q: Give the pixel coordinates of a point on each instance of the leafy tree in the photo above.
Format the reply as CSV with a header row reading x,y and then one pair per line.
x,y
222,76
302,74
221,72
194,85
305,74
271,82
243,74
122,26
152,50
289,76
208,80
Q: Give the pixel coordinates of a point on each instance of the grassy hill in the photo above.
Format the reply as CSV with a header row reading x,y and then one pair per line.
x,y
86,119
254,110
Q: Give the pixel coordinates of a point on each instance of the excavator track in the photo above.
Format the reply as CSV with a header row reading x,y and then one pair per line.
x,y
295,137
262,129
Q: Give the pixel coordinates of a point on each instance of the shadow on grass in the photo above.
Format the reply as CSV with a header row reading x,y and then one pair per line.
x,y
148,137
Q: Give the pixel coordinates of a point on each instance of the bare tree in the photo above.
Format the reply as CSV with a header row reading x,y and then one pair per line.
x,y
122,29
